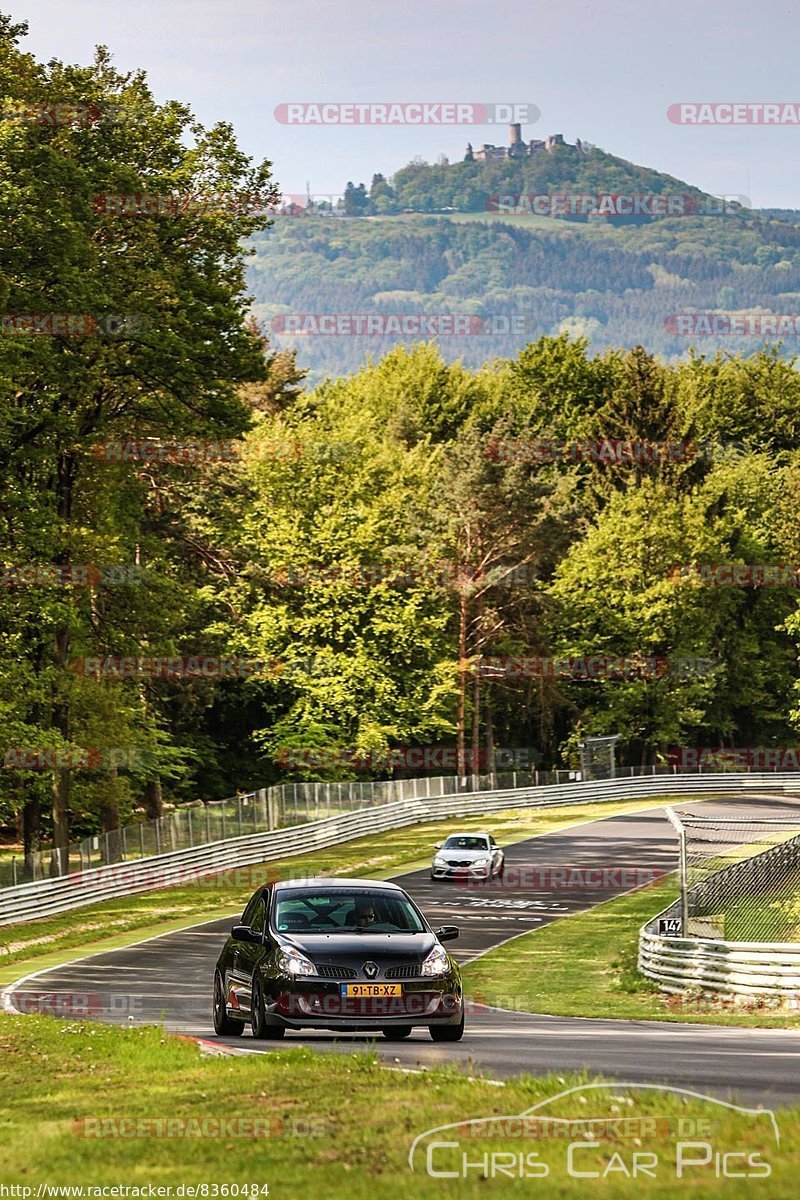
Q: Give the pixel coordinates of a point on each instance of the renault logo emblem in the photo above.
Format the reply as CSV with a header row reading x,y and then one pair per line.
x,y
370,969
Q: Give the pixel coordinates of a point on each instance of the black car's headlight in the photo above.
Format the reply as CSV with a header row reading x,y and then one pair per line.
x,y
292,962
437,962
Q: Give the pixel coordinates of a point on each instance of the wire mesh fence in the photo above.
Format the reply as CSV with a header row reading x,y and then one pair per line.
x,y
274,807
740,877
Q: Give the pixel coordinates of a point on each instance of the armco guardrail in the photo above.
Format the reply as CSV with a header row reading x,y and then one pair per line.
x,y
737,968
717,965
49,896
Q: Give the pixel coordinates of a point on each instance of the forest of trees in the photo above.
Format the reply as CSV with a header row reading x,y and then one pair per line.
x,y
359,551
615,287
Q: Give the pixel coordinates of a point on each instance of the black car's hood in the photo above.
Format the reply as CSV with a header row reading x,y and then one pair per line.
x,y
328,947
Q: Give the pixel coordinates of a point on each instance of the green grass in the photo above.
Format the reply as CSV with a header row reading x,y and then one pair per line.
x,y
584,965
51,940
769,918
340,1126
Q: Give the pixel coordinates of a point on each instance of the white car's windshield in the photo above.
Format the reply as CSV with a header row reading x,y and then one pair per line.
x,y
462,842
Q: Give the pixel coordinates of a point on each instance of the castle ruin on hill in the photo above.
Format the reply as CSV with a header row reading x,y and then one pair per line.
x,y
517,147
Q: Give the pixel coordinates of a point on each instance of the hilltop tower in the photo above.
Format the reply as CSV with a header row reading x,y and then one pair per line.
x,y
516,148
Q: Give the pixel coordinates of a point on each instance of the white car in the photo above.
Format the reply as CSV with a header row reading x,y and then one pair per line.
x,y
468,855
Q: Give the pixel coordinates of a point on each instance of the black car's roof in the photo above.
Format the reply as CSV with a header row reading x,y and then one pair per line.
x,y
351,884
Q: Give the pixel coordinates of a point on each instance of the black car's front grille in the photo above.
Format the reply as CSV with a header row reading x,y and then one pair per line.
x,y
410,971
333,971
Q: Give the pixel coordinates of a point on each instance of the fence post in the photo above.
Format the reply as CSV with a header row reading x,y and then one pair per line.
x,y
677,825
239,813
14,870
141,838
157,823
124,847
208,823
189,822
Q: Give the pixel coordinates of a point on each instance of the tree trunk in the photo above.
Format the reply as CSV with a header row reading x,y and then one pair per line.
x,y
67,471
109,822
491,763
462,685
476,723
153,803
61,776
31,833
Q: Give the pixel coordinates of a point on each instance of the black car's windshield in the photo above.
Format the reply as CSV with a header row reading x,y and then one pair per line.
x,y
466,843
334,910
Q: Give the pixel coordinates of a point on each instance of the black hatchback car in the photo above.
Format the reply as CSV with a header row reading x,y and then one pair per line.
x,y
343,954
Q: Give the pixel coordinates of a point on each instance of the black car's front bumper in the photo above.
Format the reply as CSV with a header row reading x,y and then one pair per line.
x,y
309,1003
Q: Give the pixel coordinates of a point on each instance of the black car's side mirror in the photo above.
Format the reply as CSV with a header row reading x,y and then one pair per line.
x,y
243,933
448,933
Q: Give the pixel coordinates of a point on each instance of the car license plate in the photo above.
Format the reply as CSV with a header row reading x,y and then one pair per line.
x,y
371,991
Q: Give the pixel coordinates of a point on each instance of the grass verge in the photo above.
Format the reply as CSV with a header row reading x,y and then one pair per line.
x,y
49,941
339,1126
584,965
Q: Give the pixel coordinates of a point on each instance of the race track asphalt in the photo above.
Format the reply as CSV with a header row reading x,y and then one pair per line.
x,y
168,979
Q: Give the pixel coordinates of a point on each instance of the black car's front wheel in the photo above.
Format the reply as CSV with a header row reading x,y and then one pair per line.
x,y
258,1020
224,1026
396,1033
447,1033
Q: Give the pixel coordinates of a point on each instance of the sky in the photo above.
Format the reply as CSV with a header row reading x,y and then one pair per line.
x,y
603,72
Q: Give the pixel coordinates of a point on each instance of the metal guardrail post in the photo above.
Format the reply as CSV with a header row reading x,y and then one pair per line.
x,y
189,824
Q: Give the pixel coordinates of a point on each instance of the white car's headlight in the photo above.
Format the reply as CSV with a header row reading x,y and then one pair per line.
x,y
436,963
438,861
482,862
292,962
